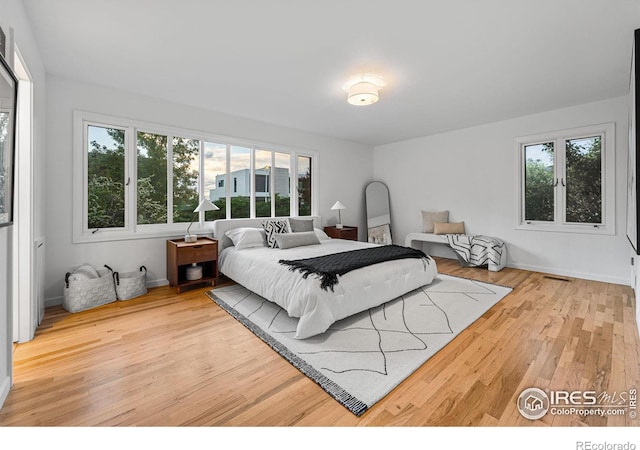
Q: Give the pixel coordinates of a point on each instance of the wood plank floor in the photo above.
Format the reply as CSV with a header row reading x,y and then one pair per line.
x,y
170,360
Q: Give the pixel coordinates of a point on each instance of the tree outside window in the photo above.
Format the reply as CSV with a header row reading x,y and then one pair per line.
x,y
142,180
567,181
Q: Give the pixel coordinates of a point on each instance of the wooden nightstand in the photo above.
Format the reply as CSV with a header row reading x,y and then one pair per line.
x,y
345,232
181,255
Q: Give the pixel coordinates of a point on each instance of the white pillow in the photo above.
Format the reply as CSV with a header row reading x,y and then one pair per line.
x,y
321,235
247,237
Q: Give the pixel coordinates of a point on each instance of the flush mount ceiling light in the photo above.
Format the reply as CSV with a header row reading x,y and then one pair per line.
x,y
363,89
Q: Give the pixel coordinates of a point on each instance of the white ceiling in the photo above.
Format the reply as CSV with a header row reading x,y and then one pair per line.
x,y
448,64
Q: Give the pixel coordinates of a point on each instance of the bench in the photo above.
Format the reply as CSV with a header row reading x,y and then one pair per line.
x,y
442,239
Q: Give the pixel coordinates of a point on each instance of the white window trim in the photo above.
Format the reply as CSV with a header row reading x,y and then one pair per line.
x,y
131,230
608,226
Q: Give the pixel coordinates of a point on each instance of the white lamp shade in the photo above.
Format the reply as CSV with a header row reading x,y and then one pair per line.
x,y
338,205
363,93
363,89
206,205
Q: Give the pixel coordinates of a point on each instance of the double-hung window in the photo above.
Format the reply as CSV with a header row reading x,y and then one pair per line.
x,y
134,179
566,181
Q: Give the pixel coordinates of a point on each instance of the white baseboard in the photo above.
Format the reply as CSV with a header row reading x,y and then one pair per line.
x,y
157,283
569,273
57,301
565,273
5,387
52,301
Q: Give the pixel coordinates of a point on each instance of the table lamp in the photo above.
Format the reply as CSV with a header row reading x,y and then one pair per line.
x,y
205,205
339,206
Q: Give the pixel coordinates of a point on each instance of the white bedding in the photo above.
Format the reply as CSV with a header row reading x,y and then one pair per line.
x,y
258,270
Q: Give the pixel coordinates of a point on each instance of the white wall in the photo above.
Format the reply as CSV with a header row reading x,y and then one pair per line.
x,y
471,173
12,16
344,170
6,336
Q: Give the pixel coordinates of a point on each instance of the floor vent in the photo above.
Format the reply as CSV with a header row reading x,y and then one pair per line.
x,y
557,278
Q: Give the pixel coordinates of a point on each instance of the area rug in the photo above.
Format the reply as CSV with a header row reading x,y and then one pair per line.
x,y
360,359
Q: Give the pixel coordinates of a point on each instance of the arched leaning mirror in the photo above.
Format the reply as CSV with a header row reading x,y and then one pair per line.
x,y
378,213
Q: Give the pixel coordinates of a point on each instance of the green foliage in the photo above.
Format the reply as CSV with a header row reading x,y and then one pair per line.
x,y
185,179
583,184
150,210
239,207
221,203
106,183
539,203
106,203
283,206
152,178
304,193
584,181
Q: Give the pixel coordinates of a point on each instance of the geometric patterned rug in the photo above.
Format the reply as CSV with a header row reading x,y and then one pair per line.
x,y
360,359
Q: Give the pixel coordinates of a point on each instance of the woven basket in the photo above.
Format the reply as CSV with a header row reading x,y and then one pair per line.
x,y
84,294
131,284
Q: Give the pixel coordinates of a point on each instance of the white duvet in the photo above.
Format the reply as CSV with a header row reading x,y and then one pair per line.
x,y
258,270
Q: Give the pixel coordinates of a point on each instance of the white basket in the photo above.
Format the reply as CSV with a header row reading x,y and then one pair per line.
x,y
131,284
81,294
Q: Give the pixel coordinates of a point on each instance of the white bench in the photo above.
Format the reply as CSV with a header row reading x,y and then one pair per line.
x,y
442,239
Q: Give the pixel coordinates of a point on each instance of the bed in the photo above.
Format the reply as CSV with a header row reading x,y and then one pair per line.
x,y
258,269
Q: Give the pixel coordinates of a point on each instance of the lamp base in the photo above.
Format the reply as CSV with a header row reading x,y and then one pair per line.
x,y
191,238
339,225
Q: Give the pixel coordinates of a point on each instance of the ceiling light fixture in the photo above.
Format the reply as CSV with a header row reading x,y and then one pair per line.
x,y
363,89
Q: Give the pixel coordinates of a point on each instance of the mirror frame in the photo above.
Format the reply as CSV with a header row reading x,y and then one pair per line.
x,y
378,232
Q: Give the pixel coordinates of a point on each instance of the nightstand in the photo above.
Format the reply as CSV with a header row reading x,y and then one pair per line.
x,y
345,232
181,255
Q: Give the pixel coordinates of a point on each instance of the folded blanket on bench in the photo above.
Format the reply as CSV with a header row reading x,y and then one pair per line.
x,y
328,267
476,250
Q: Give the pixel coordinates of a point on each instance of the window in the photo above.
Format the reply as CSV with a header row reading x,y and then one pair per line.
x,y
186,163
214,174
105,177
304,186
282,184
262,181
152,178
135,179
566,181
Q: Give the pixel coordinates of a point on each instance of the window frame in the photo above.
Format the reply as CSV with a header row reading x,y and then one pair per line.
x,y
133,230
559,138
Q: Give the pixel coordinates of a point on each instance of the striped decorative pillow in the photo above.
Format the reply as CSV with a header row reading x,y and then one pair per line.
x,y
273,227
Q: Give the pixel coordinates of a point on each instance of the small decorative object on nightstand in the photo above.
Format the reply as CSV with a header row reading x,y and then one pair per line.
x,y
345,232
192,263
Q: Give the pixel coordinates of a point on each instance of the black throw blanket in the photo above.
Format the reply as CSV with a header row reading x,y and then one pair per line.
x,y
328,267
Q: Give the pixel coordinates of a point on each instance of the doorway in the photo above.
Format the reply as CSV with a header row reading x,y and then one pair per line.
x,y
27,310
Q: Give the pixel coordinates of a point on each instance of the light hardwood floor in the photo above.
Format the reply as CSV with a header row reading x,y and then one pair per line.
x,y
169,360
